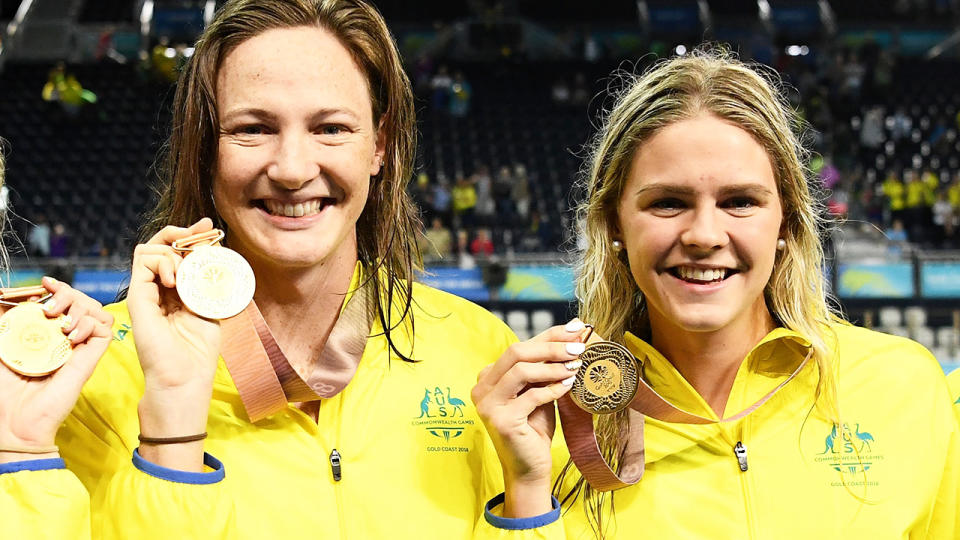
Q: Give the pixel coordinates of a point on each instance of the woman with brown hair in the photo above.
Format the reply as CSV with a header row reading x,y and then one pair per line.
x,y
338,407
758,412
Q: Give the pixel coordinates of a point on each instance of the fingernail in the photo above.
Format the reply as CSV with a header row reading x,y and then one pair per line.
x,y
575,349
573,365
575,325
569,380
72,335
66,321
48,307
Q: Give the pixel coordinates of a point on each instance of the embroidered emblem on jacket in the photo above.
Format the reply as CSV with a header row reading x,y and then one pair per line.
x,y
850,451
442,416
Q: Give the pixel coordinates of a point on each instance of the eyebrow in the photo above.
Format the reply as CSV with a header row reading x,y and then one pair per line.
x,y
263,113
677,189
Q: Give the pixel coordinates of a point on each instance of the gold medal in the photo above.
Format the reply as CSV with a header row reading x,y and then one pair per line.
x,y
31,343
213,281
607,380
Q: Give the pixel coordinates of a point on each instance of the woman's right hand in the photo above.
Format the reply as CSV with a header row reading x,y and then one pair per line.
x,y
178,351
515,399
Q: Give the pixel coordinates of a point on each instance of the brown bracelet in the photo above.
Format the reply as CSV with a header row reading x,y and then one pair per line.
x,y
172,440
30,449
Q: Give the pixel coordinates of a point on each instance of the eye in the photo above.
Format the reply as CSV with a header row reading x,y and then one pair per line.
x,y
332,129
667,204
740,203
251,129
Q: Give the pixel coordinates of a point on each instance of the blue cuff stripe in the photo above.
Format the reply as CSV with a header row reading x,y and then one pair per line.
x,y
182,477
516,524
32,465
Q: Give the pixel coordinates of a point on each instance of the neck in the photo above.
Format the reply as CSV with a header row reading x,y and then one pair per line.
x,y
709,361
301,305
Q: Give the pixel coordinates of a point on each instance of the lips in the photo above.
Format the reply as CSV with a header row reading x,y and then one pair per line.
x,y
299,209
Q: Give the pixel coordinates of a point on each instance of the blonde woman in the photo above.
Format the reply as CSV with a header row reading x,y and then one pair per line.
x,y
34,481
703,259
293,132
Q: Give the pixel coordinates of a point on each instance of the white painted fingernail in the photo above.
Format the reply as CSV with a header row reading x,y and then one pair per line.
x,y
569,380
575,349
72,335
48,307
573,365
66,321
575,325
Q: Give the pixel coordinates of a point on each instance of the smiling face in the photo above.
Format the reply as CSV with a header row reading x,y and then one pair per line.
x,y
699,218
297,147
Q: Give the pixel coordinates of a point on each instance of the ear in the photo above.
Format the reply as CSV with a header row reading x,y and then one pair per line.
x,y
379,150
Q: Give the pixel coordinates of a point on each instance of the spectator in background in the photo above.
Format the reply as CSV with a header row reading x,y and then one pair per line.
x,y
502,192
38,240
461,93
464,259
441,199
580,94
871,132
464,203
436,241
900,124
520,193
482,245
163,60
484,186
919,207
943,220
440,89
59,241
65,89
894,192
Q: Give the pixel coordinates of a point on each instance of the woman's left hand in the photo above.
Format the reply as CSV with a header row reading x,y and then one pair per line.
x,y
33,408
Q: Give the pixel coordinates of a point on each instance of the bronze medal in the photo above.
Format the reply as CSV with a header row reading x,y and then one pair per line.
x,y
607,380
31,343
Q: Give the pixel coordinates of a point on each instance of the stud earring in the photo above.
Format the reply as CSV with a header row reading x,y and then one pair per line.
x,y
781,244
617,245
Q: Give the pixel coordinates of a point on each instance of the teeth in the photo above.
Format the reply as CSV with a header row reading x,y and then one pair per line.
x,y
307,208
700,274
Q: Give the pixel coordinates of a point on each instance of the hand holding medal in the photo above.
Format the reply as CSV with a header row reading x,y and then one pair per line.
x,y
51,338
181,283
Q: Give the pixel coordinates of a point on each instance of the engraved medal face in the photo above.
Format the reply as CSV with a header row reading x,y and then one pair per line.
x,y
607,380
215,282
30,343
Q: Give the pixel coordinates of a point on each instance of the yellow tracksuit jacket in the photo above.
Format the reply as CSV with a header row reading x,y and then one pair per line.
x,y
415,459
900,454
953,379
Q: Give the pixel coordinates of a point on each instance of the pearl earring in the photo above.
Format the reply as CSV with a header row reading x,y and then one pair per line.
x,y
617,245
781,244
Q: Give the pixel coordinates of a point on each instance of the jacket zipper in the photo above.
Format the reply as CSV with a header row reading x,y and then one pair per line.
x,y
335,465
740,452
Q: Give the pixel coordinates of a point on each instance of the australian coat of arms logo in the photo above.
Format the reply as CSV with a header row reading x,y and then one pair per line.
x,y
849,451
441,414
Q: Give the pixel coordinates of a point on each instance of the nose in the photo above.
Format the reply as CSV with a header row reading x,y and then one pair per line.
x,y
705,230
293,164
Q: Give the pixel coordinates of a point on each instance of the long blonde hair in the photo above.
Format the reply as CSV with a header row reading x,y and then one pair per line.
x,y
707,81
386,228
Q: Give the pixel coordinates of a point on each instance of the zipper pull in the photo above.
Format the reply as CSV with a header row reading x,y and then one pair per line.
x,y
335,464
740,451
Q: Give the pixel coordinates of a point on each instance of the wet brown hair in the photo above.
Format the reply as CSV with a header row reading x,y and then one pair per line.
x,y
389,220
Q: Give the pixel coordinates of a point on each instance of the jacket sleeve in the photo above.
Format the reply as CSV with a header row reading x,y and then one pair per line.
x,y
129,496
945,516
40,499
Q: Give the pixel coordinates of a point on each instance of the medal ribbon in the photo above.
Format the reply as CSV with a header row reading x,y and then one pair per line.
x,y
578,431
265,378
